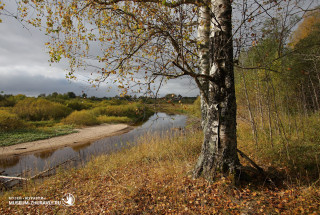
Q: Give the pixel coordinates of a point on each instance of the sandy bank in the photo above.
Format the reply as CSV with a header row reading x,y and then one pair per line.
x,y
84,135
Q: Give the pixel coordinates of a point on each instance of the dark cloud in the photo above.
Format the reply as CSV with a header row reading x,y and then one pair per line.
x,y
34,85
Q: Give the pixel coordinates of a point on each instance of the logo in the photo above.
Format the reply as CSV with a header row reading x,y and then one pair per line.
x,y
68,199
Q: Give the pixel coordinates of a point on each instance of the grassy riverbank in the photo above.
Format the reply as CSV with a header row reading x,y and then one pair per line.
x,y
155,178
27,135
25,119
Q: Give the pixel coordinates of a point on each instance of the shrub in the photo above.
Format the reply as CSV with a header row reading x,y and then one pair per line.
x,y
83,117
7,101
76,105
40,109
114,102
10,121
129,110
113,119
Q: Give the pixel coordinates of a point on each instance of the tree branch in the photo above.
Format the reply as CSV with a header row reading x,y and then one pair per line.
x,y
251,161
167,4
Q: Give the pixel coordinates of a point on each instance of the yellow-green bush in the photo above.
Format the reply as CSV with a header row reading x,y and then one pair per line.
x,y
78,104
113,119
10,121
129,110
114,102
40,109
82,117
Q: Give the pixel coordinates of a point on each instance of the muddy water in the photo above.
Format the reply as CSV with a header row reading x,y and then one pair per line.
x,y
40,161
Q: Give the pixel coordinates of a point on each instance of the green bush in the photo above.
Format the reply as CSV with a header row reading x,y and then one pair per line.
x,y
83,117
40,109
10,121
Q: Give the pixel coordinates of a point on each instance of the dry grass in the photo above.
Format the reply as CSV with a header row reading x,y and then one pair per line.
x,y
154,178
297,153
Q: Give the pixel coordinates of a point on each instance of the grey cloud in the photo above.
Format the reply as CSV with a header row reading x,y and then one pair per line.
x,y
37,84
182,86
34,85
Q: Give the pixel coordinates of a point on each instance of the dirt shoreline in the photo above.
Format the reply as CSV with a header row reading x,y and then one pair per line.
x,y
84,135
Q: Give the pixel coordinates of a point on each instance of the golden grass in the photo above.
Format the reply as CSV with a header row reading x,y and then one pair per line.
x,y
154,178
297,152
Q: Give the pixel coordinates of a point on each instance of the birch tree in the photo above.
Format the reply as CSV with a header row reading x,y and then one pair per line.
x,y
218,104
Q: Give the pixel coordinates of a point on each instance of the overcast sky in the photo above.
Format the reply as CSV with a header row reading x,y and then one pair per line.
x,y
24,66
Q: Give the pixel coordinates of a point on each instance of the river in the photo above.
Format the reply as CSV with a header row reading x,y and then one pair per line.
x,y
40,161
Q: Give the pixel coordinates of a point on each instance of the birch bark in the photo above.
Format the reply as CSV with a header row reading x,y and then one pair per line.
x,y
219,149
204,54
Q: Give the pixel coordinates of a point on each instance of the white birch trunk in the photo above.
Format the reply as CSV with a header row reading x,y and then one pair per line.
x,y
204,54
219,150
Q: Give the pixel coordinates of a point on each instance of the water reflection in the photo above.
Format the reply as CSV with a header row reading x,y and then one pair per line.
x,y
44,154
40,161
78,147
9,162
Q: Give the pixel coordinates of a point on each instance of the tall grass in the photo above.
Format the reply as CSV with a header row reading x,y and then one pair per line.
x,y
196,107
295,148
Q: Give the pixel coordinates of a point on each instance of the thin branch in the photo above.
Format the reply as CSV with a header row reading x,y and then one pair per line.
x,y
167,4
251,161
12,177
